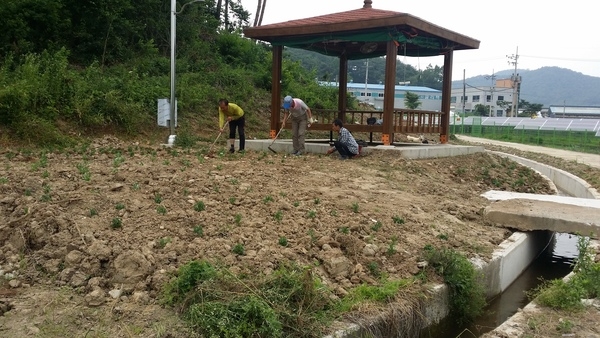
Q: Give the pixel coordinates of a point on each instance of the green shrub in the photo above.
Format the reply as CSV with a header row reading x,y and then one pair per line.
x,y
288,303
585,283
188,277
467,294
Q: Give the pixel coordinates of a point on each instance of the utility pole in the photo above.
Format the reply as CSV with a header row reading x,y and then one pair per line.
x,y
464,94
516,79
366,79
173,100
493,78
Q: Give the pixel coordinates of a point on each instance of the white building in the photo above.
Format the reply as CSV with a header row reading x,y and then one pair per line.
x,y
466,98
431,99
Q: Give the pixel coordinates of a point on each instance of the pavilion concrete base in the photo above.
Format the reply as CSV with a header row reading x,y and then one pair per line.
x,y
406,150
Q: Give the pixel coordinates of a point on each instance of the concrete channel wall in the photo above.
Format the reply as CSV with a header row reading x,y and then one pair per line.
x,y
511,258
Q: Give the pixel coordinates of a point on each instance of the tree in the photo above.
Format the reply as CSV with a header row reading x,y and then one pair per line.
x,y
480,110
529,109
411,100
505,105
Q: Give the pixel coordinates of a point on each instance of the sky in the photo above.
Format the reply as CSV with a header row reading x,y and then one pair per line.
x,y
551,33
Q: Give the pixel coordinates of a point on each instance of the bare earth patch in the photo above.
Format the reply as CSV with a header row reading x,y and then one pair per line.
x,y
89,236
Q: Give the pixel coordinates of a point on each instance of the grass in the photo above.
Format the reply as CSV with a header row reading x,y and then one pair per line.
x,y
217,303
567,294
467,294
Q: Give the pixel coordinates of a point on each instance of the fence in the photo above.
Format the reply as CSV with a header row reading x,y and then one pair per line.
x,y
577,135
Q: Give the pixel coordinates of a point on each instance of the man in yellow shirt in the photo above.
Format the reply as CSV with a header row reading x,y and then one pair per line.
x,y
232,113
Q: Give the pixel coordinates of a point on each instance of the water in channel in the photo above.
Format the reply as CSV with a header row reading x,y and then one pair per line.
x,y
553,263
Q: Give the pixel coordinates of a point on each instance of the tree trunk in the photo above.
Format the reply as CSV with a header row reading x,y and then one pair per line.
x,y
262,12
218,10
227,15
257,15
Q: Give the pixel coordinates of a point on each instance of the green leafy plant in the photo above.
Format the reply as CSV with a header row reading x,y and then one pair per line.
x,y
231,200
93,212
199,206
238,249
345,230
311,214
118,160
296,204
237,219
278,216
398,220
135,186
163,242
467,294
283,241
116,223
374,269
161,209
46,197
317,201
584,284
120,206
355,207
157,198
199,230
392,246
268,199
376,226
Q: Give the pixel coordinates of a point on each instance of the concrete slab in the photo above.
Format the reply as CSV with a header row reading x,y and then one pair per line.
x,y
498,195
530,214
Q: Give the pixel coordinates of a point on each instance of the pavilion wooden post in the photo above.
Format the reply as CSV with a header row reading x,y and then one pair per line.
x,y
275,90
389,91
446,93
343,88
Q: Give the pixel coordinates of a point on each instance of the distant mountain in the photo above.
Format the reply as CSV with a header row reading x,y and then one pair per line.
x,y
548,86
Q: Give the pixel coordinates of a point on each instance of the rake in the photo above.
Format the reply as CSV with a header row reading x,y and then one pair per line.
x,y
209,153
275,139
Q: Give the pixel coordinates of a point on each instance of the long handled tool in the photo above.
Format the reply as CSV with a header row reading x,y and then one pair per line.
x,y
213,144
275,139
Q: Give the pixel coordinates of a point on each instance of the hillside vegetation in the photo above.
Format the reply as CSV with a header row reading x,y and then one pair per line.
x,y
99,69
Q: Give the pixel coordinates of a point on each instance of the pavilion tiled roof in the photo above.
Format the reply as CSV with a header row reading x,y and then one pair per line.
x,y
346,32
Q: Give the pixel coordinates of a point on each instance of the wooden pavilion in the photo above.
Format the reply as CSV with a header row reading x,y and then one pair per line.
x,y
366,33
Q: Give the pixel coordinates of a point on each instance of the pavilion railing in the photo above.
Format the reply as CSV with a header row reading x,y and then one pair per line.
x,y
406,121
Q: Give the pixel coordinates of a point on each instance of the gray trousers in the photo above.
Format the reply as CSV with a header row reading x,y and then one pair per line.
x,y
299,132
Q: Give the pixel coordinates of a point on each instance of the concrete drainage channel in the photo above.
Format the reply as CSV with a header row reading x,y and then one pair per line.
x,y
508,263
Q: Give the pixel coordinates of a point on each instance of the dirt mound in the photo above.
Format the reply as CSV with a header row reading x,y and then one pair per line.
x,y
109,221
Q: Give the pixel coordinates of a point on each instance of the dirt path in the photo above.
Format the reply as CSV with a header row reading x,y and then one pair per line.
x,y
592,160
